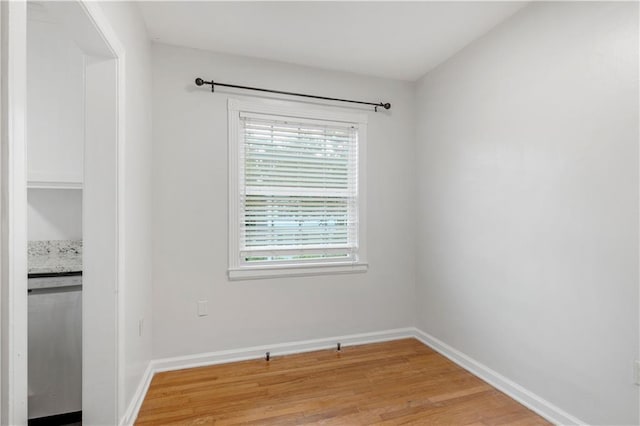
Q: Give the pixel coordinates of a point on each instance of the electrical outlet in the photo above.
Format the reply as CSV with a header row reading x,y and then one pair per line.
x,y
203,308
636,372
140,326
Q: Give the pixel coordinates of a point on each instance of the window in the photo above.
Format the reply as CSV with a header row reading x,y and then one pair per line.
x,y
296,190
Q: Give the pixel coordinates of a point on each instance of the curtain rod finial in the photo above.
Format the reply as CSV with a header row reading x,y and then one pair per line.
x,y
387,105
199,81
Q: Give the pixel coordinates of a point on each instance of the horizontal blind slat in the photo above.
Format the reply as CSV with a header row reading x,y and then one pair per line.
x,y
279,120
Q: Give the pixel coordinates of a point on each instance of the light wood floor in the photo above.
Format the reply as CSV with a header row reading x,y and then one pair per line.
x,y
399,382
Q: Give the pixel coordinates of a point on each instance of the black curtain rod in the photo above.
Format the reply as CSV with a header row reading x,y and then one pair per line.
x,y
201,82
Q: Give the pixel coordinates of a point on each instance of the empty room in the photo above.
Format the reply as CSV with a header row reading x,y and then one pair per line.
x,y
322,212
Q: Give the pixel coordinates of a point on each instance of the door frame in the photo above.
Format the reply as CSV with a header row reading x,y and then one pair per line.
x,y
13,206
13,244
102,25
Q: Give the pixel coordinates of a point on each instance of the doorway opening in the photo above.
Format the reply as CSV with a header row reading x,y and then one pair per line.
x,y
73,131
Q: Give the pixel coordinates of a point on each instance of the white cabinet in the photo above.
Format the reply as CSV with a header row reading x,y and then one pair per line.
x,y
55,107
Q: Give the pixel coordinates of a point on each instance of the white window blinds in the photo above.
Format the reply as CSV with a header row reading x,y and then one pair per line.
x,y
298,190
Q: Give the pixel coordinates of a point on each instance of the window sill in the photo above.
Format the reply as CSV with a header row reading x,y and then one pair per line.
x,y
257,272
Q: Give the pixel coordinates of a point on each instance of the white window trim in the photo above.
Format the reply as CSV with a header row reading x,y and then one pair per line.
x,y
238,271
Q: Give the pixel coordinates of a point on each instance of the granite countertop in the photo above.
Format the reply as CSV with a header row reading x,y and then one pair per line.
x,y
55,256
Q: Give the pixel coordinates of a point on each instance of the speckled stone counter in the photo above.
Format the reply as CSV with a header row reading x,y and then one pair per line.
x,y
55,256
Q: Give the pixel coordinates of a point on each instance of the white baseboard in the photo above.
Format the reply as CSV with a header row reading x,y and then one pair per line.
x,y
138,397
256,352
527,398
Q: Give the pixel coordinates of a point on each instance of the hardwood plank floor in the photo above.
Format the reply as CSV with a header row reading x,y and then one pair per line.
x,y
391,383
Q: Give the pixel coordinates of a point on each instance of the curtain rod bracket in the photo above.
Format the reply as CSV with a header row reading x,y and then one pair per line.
x,y
201,82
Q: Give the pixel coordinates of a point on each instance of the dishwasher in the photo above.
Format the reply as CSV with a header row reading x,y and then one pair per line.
x,y
55,345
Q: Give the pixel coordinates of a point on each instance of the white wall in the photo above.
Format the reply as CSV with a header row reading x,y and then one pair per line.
x,y
100,364
190,214
126,21
528,204
54,214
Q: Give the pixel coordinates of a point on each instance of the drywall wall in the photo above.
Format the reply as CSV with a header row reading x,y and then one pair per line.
x,y
54,214
100,339
135,351
528,204
190,213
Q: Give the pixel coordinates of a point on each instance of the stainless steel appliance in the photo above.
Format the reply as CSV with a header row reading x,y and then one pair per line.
x,y
55,344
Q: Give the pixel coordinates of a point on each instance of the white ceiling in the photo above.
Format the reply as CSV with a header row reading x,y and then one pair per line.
x,y
401,40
